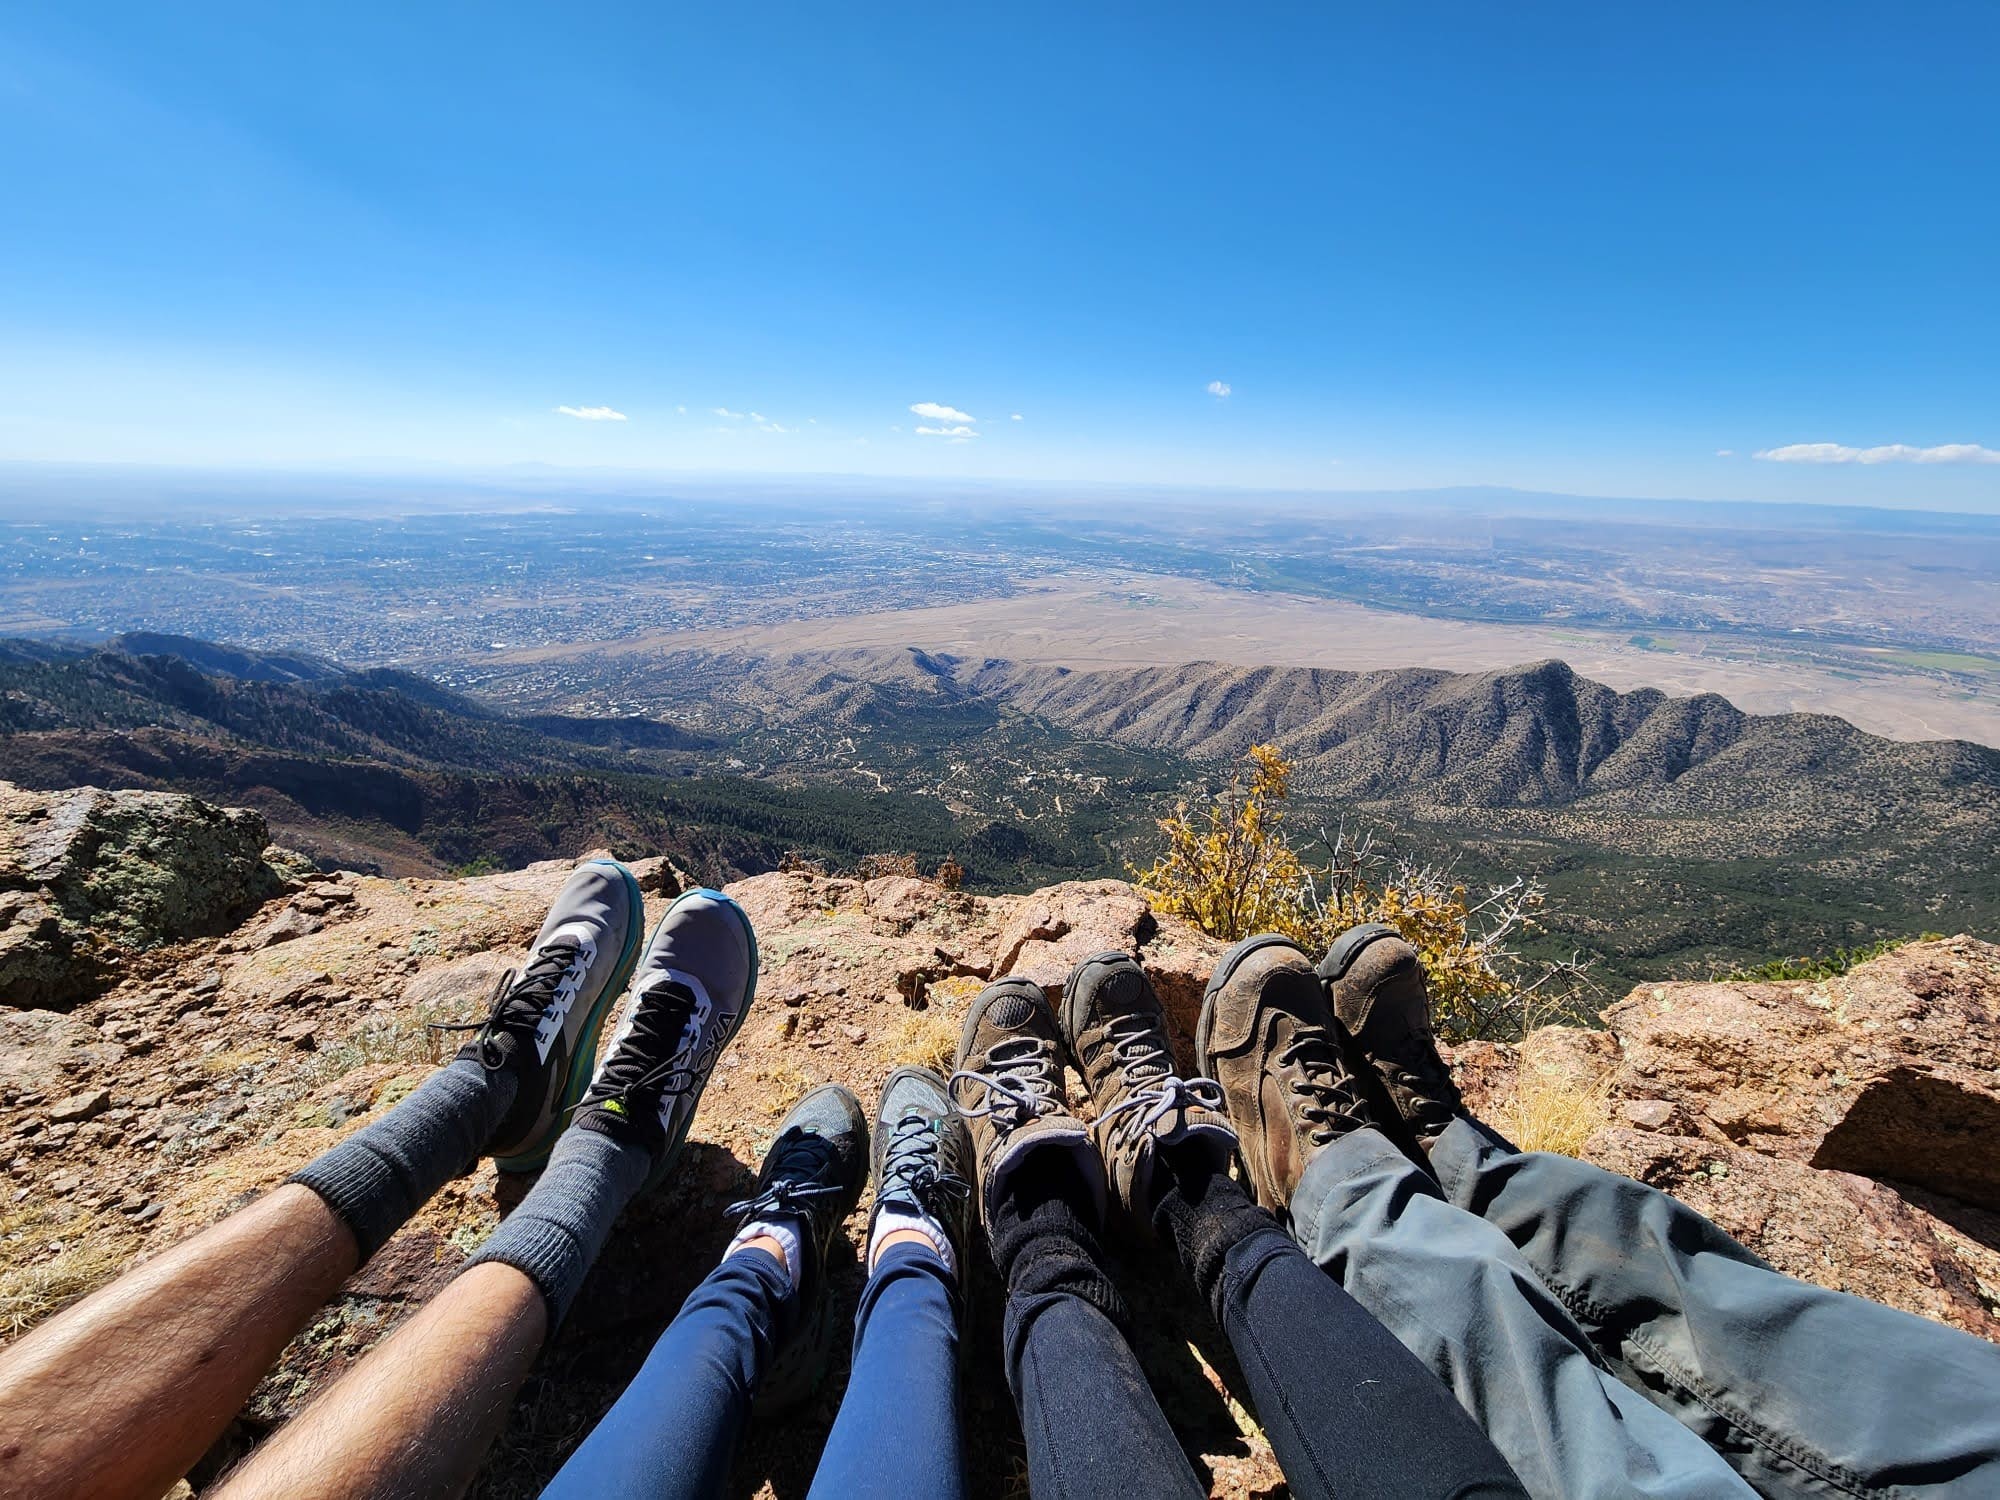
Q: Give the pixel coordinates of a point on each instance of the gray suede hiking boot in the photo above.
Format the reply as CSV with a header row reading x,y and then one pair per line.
x,y
1117,1036
1268,1037
1008,1087
923,1164
689,997
1375,983
546,1015
811,1178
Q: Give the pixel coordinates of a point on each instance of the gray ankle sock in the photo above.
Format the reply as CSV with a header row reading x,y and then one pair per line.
x,y
380,1175
556,1233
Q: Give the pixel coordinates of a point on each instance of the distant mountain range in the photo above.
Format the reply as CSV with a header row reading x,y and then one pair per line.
x,y
1673,832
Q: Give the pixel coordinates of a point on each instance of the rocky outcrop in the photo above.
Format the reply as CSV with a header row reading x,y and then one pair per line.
x,y
87,876
1846,1130
1892,1070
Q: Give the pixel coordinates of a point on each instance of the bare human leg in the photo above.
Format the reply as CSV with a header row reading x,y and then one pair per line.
x,y
417,1415
121,1394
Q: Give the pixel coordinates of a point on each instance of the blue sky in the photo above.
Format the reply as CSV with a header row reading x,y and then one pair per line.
x,y
1598,248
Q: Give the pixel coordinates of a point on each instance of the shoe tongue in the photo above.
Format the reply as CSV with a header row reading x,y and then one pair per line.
x,y
1123,990
1011,1010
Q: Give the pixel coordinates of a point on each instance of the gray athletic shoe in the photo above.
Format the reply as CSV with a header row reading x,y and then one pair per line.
x,y
546,1015
689,998
813,1174
923,1158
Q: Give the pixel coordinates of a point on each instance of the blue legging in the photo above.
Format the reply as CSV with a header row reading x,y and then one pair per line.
x,y
673,1434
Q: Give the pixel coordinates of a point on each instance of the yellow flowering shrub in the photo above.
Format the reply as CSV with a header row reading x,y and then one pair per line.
x,y
1231,869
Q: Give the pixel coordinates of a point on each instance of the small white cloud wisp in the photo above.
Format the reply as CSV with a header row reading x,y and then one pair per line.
x,y
1218,389
1886,453
593,413
938,412
958,434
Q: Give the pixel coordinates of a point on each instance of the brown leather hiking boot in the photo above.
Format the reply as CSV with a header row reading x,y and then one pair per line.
x,y
1376,987
1117,1036
1267,1036
1008,1086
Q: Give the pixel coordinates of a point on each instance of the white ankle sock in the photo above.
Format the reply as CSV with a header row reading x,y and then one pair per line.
x,y
785,1231
889,1220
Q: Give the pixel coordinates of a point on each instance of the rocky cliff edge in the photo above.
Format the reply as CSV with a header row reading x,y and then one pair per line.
x,y
230,1013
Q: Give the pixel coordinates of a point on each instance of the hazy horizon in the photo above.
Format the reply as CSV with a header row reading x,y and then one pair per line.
x,y
23,482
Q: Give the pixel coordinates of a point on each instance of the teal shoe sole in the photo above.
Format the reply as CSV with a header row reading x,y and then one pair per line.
x,y
670,1153
583,1060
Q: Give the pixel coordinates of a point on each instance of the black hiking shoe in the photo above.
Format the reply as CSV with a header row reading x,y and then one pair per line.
x,y
923,1164
546,1015
812,1175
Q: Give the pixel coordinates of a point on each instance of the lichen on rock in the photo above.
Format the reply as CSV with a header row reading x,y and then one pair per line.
x,y
87,875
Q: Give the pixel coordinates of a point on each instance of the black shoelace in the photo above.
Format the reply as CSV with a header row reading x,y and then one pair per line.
x,y
652,1061
520,1000
1334,1106
1434,1099
797,1171
912,1172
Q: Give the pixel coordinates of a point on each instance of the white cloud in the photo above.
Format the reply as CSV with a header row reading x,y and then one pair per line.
x,y
592,413
1218,389
1887,453
940,413
1725,453
734,416
1015,418
682,410
958,434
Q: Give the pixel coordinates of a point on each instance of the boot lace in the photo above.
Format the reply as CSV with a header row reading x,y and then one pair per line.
x,y
912,1171
1020,1083
1147,1107
1333,1104
520,999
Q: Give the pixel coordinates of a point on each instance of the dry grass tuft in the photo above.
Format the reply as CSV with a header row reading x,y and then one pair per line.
x,y
36,1281
229,1060
928,1038
1555,1111
788,1087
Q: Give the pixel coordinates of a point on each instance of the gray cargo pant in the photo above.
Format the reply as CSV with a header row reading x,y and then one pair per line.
x,y
1615,1343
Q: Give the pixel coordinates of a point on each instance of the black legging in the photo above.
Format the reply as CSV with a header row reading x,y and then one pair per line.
x,y
1349,1412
